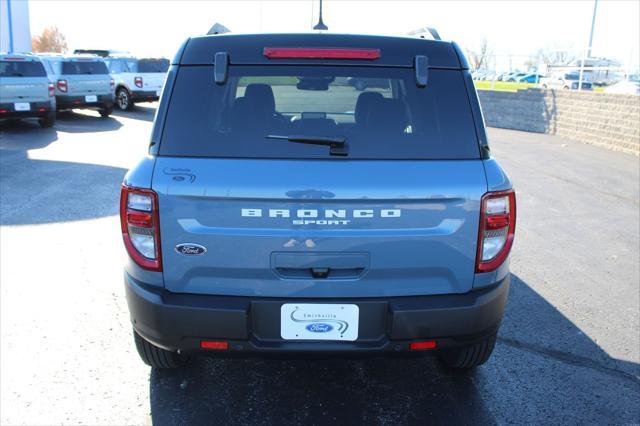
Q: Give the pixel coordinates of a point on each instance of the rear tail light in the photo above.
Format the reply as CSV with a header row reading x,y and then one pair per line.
x,y
320,53
112,84
497,228
141,226
138,82
62,85
52,90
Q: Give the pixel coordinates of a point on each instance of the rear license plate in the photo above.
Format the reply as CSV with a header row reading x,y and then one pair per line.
x,y
91,98
311,321
22,106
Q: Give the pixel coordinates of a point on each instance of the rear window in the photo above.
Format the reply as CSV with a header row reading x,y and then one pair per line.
x,y
153,65
84,67
379,112
21,69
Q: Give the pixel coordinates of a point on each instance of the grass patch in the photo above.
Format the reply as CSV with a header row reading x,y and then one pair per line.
x,y
512,86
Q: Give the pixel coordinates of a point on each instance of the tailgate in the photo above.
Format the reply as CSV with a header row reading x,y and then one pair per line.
x,y
153,81
24,89
89,84
317,228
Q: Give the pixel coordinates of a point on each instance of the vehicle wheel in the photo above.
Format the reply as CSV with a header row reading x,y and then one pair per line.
x,y
48,121
105,112
360,85
469,356
123,99
157,357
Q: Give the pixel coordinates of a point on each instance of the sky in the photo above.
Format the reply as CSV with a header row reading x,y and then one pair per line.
x,y
512,28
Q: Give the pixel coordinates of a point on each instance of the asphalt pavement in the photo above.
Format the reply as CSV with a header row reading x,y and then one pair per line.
x,y
568,351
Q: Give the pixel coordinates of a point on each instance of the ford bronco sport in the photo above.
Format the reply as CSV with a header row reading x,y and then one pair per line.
x,y
283,211
25,90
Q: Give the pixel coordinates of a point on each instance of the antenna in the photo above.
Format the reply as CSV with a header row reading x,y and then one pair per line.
x,y
320,25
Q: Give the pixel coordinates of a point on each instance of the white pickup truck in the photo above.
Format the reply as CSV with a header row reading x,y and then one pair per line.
x,y
137,79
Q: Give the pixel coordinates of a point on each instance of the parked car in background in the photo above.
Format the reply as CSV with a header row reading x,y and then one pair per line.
x,y
529,78
80,82
25,89
137,79
512,78
567,81
630,86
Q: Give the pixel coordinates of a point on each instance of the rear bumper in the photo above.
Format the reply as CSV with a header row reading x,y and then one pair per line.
x,y
36,110
251,326
79,102
144,96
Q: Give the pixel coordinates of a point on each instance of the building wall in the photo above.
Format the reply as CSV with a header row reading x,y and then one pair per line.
x,y
16,32
608,120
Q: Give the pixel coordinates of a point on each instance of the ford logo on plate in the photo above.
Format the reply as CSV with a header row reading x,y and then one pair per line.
x,y
319,327
190,249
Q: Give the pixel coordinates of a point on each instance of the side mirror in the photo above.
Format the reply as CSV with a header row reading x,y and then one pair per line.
x,y
421,65
220,66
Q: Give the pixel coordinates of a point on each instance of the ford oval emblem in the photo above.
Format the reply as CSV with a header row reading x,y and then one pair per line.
x,y
319,327
191,249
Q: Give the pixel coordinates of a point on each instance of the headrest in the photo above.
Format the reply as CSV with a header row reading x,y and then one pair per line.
x,y
363,106
261,94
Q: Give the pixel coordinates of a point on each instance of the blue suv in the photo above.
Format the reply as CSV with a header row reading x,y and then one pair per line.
x,y
281,210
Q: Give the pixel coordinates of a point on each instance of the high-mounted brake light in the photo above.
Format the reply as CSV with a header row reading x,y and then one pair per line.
x,y
141,226
62,85
14,59
138,82
320,53
496,230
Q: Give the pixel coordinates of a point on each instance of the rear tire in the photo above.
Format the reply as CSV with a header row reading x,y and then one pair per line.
x,y
123,100
106,112
469,356
48,121
157,357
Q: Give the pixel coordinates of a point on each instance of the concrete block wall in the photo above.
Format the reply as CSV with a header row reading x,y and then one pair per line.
x,y
608,120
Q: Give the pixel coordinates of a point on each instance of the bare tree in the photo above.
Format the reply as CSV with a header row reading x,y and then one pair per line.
x,y
555,56
479,58
51,40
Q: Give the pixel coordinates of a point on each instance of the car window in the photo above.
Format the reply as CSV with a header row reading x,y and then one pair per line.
x,y
84,67
379,111
153,65
114,65
21,69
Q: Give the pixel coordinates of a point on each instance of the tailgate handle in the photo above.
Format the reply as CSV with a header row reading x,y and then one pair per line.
x,y
320,272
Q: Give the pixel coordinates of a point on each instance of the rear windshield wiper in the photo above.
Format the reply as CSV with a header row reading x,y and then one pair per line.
x,y
337,145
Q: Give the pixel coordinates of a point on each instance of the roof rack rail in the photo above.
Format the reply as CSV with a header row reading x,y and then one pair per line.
x,y
421,32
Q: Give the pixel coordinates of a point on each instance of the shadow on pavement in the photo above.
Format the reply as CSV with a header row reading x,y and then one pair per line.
x,y
387,391
85,122
51,191
139,112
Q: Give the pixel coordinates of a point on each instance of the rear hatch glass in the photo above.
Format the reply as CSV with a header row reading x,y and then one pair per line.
x,y
82,67
153,65
379,112
21,69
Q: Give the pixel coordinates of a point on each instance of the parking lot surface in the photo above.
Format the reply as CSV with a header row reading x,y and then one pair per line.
x,y
568,351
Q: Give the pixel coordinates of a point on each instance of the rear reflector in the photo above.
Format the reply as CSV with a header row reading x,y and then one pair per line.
x,y
41,110
320,53
215,345
421,346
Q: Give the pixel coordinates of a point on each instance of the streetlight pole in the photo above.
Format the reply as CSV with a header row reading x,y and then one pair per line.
x,y
589,47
